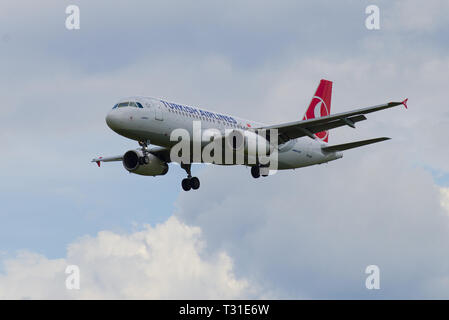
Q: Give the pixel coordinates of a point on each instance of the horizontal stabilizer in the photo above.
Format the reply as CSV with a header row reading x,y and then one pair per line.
x,y
351,145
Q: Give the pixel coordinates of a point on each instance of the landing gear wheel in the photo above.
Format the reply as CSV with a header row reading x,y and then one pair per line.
x,y
189,182
264,171
186,185
255,172
195,183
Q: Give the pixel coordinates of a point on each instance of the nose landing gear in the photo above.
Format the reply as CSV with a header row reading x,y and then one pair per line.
x,y
189,182
145,151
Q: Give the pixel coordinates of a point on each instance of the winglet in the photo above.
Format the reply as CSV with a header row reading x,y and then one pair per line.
x,y
405,103
98,162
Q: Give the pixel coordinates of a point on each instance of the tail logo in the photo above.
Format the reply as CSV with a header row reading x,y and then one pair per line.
x,y
320,109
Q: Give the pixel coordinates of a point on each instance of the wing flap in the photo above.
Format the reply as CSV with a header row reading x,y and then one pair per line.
x,y
351,145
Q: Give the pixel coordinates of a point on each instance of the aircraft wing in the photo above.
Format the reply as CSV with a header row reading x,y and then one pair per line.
x,y
99,160
297,129
160,152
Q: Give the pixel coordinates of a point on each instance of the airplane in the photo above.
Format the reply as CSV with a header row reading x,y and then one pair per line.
x,y
301,143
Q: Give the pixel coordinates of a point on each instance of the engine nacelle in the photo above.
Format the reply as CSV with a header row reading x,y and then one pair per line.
x,y
250,141
133,161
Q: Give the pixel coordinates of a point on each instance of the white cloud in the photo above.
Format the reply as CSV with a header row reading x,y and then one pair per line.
x,y
445,198
164,262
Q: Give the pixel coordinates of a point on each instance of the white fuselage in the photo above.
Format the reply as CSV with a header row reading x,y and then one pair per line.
x,y
155,120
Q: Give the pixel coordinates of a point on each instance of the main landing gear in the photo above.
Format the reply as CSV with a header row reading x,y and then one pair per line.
x,y
257,171
189,182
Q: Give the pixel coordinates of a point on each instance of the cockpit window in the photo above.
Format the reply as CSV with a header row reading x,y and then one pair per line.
x,y
123,104
128,104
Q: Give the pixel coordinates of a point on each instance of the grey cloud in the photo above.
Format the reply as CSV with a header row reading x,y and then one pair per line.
x,y
311,233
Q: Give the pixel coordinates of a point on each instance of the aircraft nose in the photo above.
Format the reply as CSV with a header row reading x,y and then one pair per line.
x,y
113,120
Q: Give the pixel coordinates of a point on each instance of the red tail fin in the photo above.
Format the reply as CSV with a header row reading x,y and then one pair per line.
x,y
320,106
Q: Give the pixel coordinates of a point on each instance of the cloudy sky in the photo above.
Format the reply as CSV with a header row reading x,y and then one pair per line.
x,y
308,233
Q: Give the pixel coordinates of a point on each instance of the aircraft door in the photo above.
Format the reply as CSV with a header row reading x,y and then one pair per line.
x,y
158,111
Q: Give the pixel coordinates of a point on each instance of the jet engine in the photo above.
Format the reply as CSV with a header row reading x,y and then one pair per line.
x,y
146,165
